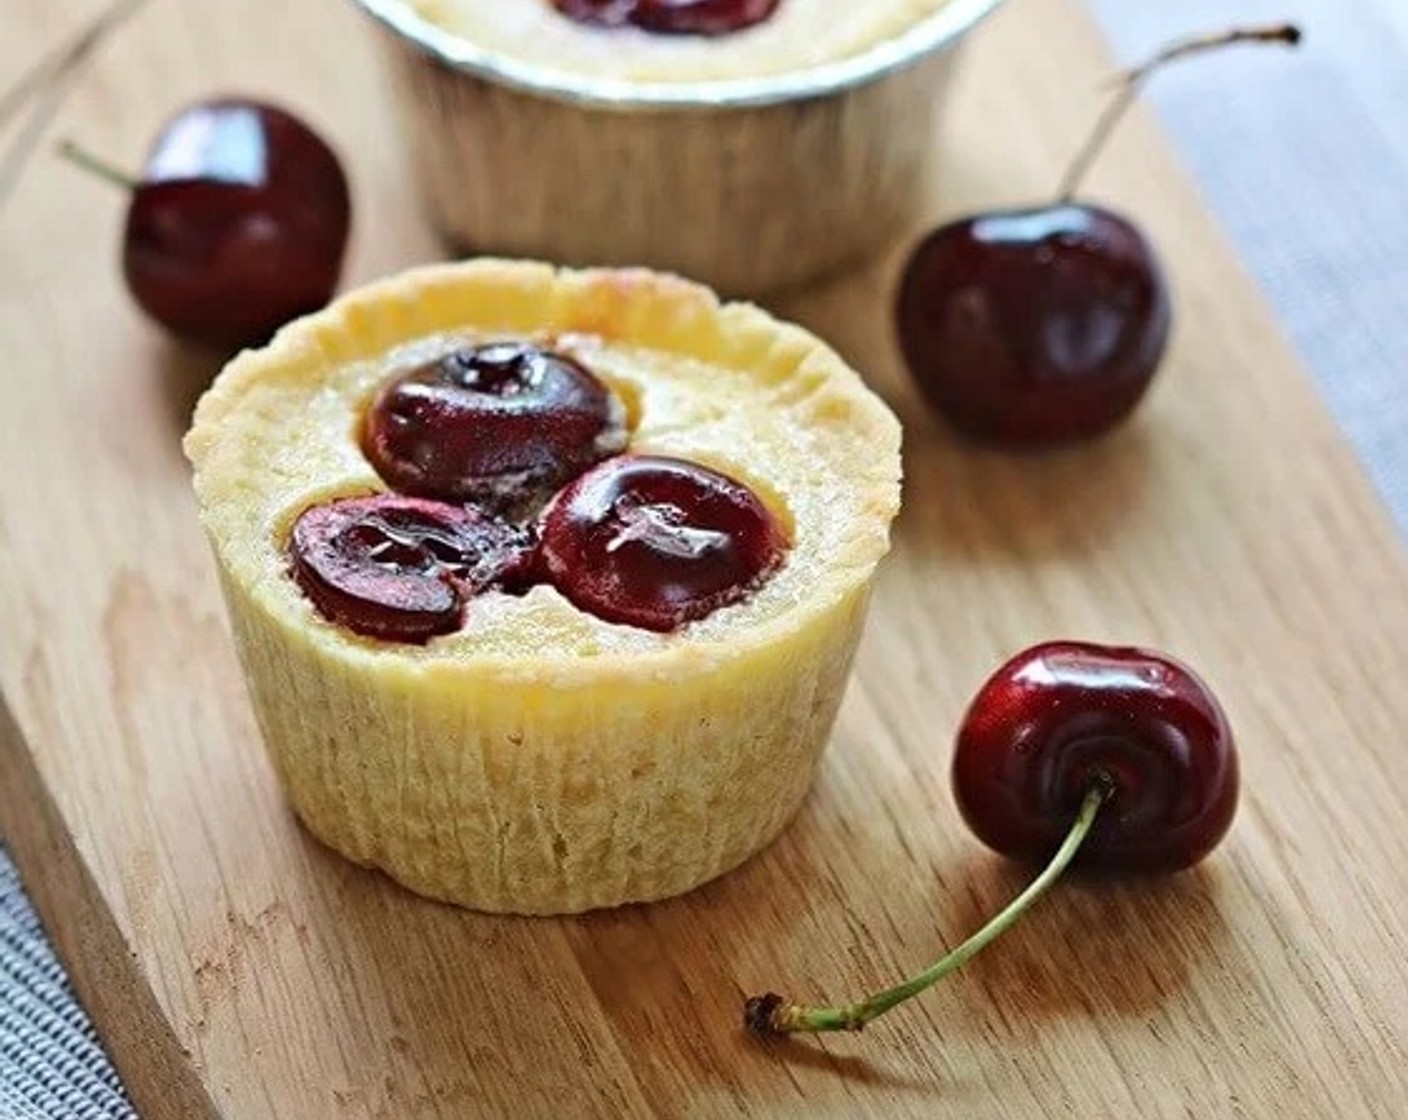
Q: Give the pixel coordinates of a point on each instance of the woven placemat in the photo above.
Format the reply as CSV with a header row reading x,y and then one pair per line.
x,y
52,1066
1305,163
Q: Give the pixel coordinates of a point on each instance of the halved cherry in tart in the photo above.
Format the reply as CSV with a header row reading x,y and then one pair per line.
x,y
502,425
401,569
657,542
671,17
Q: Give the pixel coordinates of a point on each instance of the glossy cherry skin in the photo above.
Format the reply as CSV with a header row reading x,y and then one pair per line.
x,y
1032,328
502,425
238,224
1062,716
656,542
671,17
402,569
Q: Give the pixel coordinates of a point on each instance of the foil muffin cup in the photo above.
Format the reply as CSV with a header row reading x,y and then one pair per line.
x,y
750,185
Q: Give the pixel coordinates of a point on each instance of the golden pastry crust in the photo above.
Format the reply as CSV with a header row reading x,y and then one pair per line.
x,y
541,760
800,35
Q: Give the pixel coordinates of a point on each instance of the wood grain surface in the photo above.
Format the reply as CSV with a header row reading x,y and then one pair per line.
x,y
237,970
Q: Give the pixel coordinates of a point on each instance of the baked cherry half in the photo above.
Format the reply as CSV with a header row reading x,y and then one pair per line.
x,y
503,425
671,17
401,569
657,542
1119,757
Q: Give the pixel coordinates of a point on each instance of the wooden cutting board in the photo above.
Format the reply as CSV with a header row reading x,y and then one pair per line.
x,y
236,969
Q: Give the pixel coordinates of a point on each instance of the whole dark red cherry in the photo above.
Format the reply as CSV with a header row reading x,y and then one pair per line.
x,y
656,542
671,17
1061,717
1116,756
402,569
1034,327
237,224
503,425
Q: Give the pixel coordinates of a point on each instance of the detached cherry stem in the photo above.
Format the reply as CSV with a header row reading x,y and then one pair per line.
x,y
772,1014
1131,82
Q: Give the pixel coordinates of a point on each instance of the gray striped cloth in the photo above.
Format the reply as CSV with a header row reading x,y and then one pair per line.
x,y
51,1064
1303,157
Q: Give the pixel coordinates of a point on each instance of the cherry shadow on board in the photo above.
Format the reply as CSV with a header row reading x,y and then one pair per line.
x,y
692,962
666,979
185,371
975,504
1097,945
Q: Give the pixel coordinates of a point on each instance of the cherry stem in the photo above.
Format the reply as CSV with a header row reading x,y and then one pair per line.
x,y
1131,81
772,1014
92,164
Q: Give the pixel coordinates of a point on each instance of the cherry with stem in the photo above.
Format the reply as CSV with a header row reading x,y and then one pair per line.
x,y
1043,326
237,224
1120,758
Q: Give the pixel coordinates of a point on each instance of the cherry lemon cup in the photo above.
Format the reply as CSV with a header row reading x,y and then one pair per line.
x,y
546,583
755,145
